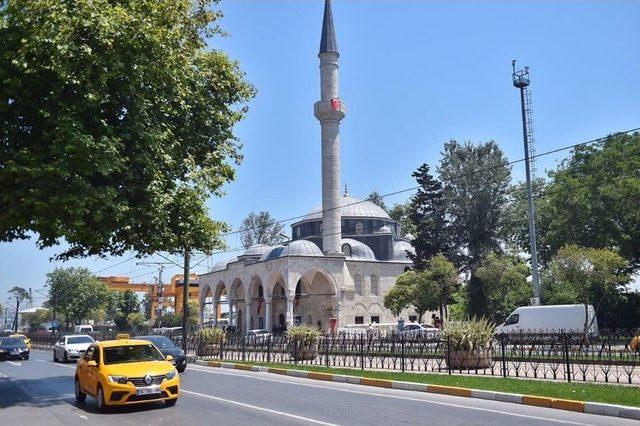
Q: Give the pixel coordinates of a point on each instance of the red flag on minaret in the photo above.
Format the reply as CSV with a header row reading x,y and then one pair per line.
x,y
335,104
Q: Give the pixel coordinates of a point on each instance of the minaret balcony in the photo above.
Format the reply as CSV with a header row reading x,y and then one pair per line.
x,y
331,109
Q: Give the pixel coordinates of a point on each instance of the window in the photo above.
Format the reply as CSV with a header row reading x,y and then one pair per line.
x,y
413,318
375,285
513,319
359,228
359,320
357,284
346,250
375,319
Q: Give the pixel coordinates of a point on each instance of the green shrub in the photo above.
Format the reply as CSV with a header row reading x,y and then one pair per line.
x,y
211,335
470,335
305,334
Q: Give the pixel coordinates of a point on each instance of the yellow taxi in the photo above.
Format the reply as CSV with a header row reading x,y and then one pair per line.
x,y
126,371
24,338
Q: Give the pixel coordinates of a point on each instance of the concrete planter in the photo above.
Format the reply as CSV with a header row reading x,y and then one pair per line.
x,y
468,360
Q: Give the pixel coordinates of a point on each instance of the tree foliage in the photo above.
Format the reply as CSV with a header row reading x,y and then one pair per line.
x,y
585,275
593,199
427,213
116,124
260,228
504,283
76,292
400,213
475,183
377,199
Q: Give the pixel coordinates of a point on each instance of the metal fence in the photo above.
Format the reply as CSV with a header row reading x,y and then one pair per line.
x,y
608,357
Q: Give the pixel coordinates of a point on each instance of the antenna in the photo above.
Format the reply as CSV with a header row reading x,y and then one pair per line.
x,y
521,80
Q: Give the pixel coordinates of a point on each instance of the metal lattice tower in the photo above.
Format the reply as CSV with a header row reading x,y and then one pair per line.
x,y
522,81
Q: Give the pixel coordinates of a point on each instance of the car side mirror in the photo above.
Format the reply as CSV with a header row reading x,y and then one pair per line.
x,y
92,363
169,358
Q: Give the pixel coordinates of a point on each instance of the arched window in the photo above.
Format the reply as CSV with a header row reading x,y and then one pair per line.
x,y
359,228
375,285
357,284
346,250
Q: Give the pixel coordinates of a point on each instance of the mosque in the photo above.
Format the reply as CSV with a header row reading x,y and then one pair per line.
x,y
343,258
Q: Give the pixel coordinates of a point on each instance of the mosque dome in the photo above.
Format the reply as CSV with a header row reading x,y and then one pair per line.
x,y
257,250
400,249
301,248
274,253
356,250
222,265
352,207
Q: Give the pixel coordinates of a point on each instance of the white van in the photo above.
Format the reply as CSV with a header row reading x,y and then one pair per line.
x,y
549,319
82,329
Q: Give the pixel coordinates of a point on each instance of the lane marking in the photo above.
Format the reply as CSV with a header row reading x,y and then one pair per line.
x,y
54,363
15,363
447,404
255,407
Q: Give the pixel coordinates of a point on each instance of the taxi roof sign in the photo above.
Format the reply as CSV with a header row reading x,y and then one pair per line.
x,y
122,336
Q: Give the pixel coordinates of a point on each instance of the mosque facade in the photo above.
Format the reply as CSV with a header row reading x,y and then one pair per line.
x,y
344,256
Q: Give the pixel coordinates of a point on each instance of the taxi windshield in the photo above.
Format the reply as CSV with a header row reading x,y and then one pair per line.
x,y
131,353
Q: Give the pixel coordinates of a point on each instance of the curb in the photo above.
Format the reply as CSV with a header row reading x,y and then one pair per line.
x,y
538,401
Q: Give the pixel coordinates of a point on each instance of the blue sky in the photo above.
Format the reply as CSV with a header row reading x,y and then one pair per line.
x,y
413,75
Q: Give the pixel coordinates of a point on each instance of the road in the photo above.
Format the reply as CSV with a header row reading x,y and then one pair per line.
x,y
39,391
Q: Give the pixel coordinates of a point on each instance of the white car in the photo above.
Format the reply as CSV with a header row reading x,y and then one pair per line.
x,y
69,348
414,330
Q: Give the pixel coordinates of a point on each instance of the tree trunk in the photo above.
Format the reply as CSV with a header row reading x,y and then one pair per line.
x,y
185,298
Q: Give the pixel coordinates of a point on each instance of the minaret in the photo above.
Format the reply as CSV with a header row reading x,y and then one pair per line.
x,y
329,110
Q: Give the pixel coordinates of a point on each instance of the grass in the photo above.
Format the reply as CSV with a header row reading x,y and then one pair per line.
x,y
591,392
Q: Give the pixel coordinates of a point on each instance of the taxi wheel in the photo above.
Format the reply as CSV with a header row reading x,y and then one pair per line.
x,y
80,396
100,399
170,402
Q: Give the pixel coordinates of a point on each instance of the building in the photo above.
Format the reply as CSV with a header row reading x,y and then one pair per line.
x,y
344,256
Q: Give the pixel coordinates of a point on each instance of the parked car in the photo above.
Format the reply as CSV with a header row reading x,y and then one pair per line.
x,y
83,328
69,348
258,334
167,347
13,347
549,319
415,329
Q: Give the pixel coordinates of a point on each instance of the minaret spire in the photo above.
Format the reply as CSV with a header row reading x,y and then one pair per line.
x,y
329,110
328,41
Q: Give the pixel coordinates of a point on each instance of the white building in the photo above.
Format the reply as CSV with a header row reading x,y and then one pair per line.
x,y
343,258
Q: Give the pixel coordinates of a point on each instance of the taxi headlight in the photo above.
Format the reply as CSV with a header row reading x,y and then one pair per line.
x,y
119,379
171,374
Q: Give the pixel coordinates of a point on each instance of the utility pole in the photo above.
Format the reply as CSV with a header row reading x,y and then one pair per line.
x,y
160,287
521,81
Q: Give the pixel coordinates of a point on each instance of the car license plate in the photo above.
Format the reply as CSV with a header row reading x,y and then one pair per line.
x,y
149,390
15,352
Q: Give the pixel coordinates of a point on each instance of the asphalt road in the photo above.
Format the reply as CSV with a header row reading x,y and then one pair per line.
x,y
40,392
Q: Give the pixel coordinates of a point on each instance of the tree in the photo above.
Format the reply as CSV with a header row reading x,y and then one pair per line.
x,y
415,289
260,228
592,200
147,305
475,181
587,276
504,283
135,320
194,313
116,124
377,199
400,213
76,292
38,318
443,274
20,294
427,213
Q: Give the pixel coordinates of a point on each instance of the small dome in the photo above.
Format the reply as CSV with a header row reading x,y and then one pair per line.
x,y
356,250
272,254
222,265
409,237
257,250
383,230
301,248
400,249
